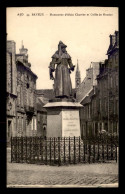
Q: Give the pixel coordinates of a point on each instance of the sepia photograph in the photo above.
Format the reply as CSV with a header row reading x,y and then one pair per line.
x,y
62,97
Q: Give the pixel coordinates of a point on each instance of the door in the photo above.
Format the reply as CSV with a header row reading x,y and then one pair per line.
x,y
9,132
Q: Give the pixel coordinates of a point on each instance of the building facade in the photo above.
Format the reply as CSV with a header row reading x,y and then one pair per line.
x,y
109,87
21,94
26,97
88,82
41,119
11,90
100,113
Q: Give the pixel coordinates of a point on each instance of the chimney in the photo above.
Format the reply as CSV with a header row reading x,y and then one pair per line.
x,y
112,40
117,37
11,48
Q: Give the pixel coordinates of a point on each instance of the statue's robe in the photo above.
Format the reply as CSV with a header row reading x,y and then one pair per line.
x,y
62,81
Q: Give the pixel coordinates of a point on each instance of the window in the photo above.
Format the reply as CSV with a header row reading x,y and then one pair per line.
x,y
111,82
100,105
32,124
18,95
27,85
22,100
116,80
116,59
38,117
35,124
106,106
22,126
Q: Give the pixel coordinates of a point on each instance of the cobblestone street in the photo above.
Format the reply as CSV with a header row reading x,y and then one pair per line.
x,y
80,175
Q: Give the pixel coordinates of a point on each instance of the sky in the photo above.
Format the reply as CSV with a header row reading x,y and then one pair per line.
x,y
85,32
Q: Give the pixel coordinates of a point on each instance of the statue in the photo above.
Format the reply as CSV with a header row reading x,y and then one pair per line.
x,y
62,81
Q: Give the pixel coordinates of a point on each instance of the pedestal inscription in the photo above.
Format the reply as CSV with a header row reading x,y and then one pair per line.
x,y
70,123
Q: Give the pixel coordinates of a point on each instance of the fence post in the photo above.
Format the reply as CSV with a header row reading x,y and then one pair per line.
x,y
58,151
74,149
98,148
111,147
84,149
30,148
89,150
42,143
116,153
50,150
79,148
11,150
107,147
37,148
94,150
69,150
26,149
16,149
54,150
64,149
46,149
103,156
22,149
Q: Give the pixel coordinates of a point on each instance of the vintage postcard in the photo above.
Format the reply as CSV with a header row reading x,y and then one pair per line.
x,y
62,97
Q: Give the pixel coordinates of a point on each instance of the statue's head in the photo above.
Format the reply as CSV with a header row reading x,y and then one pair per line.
x,y
62,46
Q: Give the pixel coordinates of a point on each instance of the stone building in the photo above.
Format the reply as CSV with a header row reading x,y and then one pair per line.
x,y
43,97
21,94
89,115
109,87
100,112
88,82
41,119
26,96
11,90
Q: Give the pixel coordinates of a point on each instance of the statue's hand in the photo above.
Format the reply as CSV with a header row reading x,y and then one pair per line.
x,y
51,77
72,68
52,70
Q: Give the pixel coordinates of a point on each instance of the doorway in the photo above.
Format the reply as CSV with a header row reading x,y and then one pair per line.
x,y
9,132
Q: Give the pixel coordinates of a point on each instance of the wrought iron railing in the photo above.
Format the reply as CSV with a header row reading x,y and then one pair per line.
x,y
61,151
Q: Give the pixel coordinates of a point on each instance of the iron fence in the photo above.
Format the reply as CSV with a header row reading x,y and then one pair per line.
x,y
62,151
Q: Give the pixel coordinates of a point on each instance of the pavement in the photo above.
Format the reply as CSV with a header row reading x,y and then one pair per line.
x,y
44,176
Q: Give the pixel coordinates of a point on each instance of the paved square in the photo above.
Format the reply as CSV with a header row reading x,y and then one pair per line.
x,y
80,175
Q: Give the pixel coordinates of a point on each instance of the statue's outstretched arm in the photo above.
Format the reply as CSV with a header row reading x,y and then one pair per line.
x,y
52,68
52,64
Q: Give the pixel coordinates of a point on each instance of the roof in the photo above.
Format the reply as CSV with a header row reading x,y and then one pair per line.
x,y
89,81
114,46
28,69
87,98
46,94
40,105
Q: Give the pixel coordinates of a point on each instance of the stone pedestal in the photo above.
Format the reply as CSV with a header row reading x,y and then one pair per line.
x,y
63,119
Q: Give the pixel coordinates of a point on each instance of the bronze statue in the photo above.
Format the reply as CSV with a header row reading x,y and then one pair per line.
x,y
62,81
